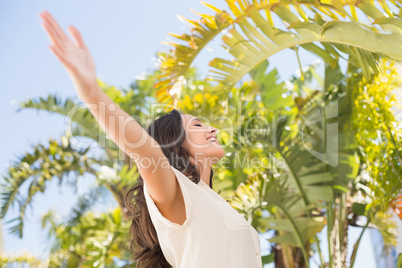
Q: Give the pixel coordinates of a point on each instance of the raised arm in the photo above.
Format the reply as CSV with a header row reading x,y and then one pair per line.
x,y
125,132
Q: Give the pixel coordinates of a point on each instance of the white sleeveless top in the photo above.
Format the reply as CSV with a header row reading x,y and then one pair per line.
x,y
214,235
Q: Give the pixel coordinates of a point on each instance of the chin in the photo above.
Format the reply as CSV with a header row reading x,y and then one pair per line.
x,y
219,154
211,155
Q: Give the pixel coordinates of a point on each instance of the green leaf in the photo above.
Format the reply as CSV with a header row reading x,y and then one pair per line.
x,y
316,178
33,169
358,208
268,258
392,24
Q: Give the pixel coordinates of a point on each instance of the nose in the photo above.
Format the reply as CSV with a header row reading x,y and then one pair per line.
x,y
213,129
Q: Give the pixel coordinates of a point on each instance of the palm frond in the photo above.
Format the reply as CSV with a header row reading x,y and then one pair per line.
x,y
42,164
20,261
324,28
85,203
271,204
176,64
81,119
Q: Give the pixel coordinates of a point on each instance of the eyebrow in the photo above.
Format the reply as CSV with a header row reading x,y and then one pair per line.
x,y
196,119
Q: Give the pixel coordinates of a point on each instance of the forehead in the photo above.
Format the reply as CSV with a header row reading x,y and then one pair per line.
x,y
189,118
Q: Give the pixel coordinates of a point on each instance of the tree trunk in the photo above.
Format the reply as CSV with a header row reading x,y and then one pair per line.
x,y
339,233
296,256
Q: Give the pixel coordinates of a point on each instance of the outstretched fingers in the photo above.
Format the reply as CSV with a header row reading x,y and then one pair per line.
x,y
53,36
53,23
79,41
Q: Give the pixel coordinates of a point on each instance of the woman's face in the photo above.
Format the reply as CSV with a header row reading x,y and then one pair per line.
x,y
201,139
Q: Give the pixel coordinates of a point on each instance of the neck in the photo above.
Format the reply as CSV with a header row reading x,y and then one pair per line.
x,y
206,170
206,174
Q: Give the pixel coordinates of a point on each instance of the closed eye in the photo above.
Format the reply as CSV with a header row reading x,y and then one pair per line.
x,y
197,125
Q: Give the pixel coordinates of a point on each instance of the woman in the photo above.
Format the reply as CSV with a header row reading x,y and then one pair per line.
x,y
178,220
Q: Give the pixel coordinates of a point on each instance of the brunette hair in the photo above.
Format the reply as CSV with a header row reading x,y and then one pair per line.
x,y
169,133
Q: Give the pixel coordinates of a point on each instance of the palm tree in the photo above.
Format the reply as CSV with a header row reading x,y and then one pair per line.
x,y
332,30
322,194
295,197
96,240
56,160
253,32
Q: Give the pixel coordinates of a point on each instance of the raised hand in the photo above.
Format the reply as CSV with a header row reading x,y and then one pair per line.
x,y
75,57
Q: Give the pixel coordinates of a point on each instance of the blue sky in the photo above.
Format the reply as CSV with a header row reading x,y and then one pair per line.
x,y
123,37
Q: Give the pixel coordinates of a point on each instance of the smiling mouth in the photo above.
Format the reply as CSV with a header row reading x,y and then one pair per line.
x,y
213,140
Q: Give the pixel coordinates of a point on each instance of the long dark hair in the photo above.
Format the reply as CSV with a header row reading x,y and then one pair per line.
x,y
169,133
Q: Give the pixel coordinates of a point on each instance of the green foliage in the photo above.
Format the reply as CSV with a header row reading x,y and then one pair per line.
x,y
316,187
26,259
35,169
379,137
94,241
328,29
326,144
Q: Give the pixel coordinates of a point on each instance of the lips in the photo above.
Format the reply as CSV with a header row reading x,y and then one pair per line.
x,y
212,139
